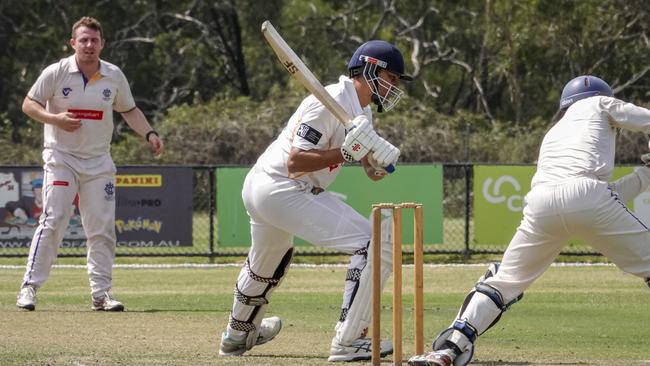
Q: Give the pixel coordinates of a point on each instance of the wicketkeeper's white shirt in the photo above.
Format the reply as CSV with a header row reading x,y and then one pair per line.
x,y
583,142
311,127
61,87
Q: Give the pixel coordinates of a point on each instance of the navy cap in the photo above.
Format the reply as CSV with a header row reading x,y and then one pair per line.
x,y
381,53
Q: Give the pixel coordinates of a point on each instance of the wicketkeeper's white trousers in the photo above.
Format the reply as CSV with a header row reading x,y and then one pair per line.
x,y
586,209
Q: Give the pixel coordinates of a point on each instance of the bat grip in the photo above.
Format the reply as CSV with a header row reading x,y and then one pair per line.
x,y
390,168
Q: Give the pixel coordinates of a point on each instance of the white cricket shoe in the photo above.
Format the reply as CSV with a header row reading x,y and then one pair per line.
x,y
107,303
27,298
269,328
360,349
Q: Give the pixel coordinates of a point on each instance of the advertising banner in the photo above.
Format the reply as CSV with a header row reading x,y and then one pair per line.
x,y
153,208
21,205
498,200
411,183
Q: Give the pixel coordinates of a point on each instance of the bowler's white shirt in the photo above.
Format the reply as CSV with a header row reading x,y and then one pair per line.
x,y
583,142
311,127
61,87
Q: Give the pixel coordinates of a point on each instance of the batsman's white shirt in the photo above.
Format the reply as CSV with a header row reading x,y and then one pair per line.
x,y
311,127
571,198
78,162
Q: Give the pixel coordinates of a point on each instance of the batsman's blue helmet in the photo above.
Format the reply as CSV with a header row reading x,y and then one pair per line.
x,y
582,87
381,53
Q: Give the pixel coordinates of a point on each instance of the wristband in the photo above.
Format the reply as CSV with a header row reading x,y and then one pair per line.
x,y
152,132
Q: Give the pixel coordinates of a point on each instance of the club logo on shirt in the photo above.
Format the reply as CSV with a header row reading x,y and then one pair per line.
x,y
107,94
308,133
66,91
110,191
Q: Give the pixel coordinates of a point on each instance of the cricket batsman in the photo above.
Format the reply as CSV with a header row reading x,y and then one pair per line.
x,y
285,194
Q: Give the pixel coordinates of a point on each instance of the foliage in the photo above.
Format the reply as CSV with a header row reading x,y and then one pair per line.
x,y
488,73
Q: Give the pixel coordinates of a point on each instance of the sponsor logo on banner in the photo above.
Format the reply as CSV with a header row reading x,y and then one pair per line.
x,y
87,114
144,202
499,200
138,224
138,180
492,192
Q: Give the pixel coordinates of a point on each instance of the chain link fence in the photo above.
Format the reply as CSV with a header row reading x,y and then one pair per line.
x,y
457,207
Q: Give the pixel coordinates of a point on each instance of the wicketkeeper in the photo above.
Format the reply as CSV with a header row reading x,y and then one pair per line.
x,y
570,197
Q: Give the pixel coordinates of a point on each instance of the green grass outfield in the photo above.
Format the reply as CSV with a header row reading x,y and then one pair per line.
x,y
571,316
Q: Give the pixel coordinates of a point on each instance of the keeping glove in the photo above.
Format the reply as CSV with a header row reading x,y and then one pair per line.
x,y
384,154
359,139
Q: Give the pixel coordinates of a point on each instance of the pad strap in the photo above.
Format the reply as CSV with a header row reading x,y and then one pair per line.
x,y
467,329
250,300
241,325
271,280
260,299
496,296
353,274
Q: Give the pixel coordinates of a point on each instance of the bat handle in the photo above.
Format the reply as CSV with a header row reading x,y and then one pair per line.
x,y
390,168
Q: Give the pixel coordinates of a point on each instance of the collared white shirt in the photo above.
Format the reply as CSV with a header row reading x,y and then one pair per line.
x,y
61,87
583,142
311,127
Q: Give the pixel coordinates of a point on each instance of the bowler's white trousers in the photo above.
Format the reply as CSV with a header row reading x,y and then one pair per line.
x,y
280,208
94,180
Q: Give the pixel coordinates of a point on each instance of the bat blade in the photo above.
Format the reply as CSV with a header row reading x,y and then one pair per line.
x,y
299,70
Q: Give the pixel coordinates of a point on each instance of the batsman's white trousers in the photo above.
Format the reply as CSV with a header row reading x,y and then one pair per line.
x,y
582,208
94,180
280,208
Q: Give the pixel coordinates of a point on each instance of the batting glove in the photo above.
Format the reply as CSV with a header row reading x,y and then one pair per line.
x,y
359,139
384,153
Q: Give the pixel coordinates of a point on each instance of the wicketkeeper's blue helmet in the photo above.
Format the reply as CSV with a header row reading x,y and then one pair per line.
x,y
582,87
